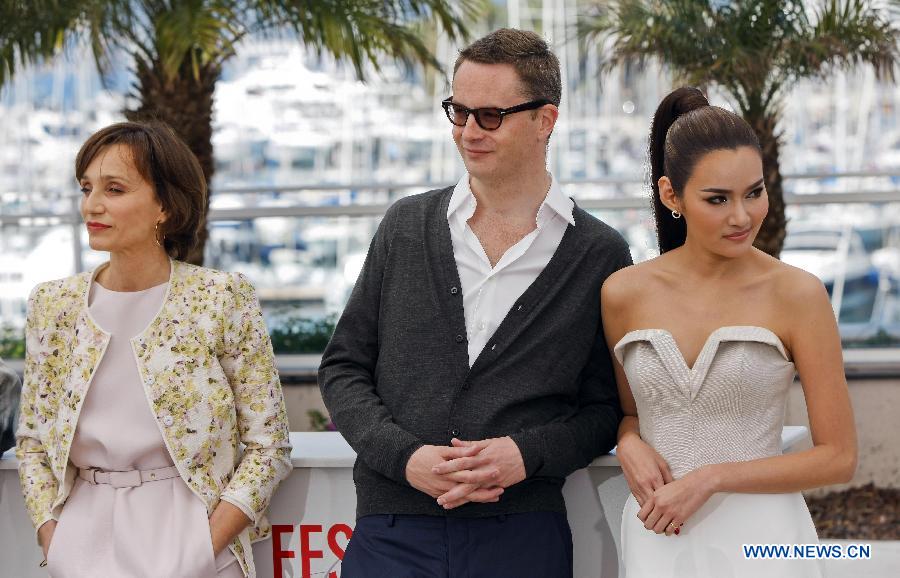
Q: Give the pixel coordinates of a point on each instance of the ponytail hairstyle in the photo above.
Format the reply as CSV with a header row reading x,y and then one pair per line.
x,y
685,128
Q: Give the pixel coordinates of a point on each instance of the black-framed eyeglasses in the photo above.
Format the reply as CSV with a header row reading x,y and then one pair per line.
x,y
488,118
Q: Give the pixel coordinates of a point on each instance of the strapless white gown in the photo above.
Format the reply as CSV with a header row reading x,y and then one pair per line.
x,y
729,407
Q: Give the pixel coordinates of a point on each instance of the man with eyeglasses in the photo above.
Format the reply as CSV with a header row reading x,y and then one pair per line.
x,y
469,369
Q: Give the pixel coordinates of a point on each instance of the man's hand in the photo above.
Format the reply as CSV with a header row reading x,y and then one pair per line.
x,y
420,475
498,462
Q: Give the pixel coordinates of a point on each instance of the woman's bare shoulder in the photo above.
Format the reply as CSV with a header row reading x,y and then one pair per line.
x,y
630,283
794,286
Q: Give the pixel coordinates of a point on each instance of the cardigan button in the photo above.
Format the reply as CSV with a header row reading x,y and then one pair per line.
x,y
454,290
168,421
460,338
455,433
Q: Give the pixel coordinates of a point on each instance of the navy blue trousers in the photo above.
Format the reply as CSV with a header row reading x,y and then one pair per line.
x,y
535,544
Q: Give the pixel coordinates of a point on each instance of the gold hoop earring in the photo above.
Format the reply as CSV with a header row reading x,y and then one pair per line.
x,y
676,214
156,235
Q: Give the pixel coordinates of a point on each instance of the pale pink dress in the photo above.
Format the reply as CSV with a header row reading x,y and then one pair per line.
x,y
158,529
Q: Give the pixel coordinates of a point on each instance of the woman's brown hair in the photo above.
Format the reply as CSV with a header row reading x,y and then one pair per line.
x,y
685,128
166,162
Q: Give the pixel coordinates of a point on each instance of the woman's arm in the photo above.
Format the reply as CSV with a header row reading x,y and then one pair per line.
x,y
45,535
645,470
249,365
39,484
815,344
816,347
226,522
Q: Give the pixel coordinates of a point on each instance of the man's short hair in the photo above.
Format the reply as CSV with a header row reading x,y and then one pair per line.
x,y
528,53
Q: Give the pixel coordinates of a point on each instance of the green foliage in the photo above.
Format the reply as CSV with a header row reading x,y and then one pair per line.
x,y
880,339
299,335
294,335
34,30
318,421
754,49
163,34
302,334
12,343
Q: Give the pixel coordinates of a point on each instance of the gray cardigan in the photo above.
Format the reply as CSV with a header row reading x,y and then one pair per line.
x,y
396,374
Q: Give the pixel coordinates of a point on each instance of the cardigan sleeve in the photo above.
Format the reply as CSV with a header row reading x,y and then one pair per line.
x,y
346,375
558,449
249,365
39,484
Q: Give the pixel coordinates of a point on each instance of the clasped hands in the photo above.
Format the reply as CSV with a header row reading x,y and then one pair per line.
x,y
466,471
665,503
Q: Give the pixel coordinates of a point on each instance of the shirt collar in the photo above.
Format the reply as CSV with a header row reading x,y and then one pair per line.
x,y
556,200
462,195
560,203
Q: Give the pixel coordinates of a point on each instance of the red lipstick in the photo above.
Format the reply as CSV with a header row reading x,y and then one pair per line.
x,y
94,226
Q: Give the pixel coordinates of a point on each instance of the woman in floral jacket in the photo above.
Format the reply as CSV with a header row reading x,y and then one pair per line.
x,y
144,379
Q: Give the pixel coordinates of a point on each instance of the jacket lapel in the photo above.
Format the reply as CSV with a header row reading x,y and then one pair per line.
x,y
89,342
146,345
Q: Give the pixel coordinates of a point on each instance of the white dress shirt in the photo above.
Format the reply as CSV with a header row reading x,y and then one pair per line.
x,y
490,292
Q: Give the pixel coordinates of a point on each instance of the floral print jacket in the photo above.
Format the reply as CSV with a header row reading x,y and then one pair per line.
x,y
208,370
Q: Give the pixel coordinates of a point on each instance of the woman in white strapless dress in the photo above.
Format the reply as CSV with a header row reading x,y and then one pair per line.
x,y
708,338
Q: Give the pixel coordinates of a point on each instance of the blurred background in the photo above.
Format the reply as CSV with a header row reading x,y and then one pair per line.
x,y
311,121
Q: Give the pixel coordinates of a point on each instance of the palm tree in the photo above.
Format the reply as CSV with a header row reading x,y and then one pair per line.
x,y
755,51
179,46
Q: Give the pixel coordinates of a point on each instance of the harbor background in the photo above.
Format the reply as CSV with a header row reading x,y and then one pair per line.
x,y
308,157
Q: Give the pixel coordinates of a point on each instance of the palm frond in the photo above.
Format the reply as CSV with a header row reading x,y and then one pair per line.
x,y
32,31
38,30
164,33
363,31
197,30
845,33
641,30
754,49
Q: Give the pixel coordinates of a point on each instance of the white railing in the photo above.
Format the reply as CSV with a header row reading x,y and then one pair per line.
x,y
389,192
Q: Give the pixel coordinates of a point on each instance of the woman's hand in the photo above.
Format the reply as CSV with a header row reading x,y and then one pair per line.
x,y
226,522
673,503
645,470
45,535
